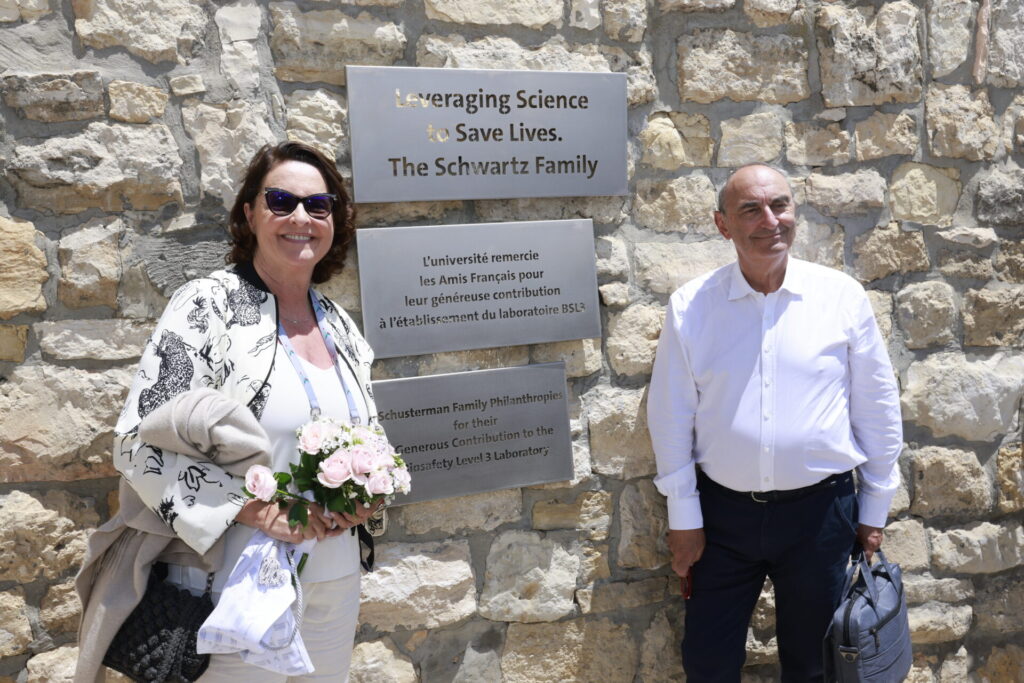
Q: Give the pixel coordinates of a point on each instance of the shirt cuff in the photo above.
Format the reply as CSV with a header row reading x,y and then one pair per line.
x,y
873,510
684,513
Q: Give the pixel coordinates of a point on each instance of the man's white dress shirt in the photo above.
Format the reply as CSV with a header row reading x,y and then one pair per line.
x,y
773,392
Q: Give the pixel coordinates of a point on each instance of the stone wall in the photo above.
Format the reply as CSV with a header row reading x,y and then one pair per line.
x,y
124,125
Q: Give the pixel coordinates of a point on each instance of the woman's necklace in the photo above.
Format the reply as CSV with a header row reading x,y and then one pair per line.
x,y
296,321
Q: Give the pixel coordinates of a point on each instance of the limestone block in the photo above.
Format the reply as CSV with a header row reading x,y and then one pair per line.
x,y
379,661
906,542
924,194
695,5
984,548
478,512
418,585
138,297
643,521
964,265
937,623
529,579
616,295
13,339
994,316
761,651
585,14
869,58
15,632
698,144
1010,261
189,84
659,662
50,97
1000,198
846,193
56,424
116,166
625,19
684,204
662,144
880,252
24,271
135,102
881,135
977,238
633,338
766,13
556,54
960,125
922,589
478,666
316,45
343,287
1010,479
927,313
1002,664
576,650
1013,126
590,513
622,595
600,209
820,243
534,14
593,562
474,359
239,28
620,446
158,32
949,481
715,64
61,609
949,34
1000,607
612,262
90,264
808,144
38,541
226,138
26,10
392,213
582,357
953,396
318,118
748,139
663,267
110,339
882,306
1006,56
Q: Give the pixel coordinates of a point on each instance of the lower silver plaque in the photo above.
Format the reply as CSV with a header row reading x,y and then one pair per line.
x,y
471,432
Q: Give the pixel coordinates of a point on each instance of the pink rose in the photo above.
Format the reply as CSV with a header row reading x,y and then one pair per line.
x,y
364,460
312,437
402,479
380,484
260,482
335,470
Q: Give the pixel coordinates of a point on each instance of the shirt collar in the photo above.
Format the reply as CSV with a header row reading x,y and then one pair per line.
x,y
794,282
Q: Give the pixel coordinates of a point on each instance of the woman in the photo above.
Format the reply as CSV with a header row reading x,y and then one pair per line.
x,y
259,334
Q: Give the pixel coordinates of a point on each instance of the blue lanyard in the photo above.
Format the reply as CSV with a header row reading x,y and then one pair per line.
x,y
314,405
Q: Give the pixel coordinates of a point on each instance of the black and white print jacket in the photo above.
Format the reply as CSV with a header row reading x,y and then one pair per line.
x,y
219,331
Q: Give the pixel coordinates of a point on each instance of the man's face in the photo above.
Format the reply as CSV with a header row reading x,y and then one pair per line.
x,y
759,217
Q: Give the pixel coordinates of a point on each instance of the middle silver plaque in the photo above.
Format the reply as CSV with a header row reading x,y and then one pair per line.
x,y
439,288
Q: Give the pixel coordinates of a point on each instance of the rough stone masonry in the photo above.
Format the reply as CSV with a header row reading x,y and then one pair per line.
x,y
124,125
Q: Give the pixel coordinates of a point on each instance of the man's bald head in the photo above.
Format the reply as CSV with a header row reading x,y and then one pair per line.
x,y
723,194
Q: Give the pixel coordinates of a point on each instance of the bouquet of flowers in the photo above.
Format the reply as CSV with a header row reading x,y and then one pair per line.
x,y
340,466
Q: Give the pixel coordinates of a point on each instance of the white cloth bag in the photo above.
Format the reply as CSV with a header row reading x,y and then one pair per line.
x,y
253,616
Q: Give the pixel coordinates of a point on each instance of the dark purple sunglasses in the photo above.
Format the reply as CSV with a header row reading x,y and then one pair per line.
x,y
282,203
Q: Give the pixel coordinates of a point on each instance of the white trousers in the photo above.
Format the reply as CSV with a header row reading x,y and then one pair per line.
x,y
328,630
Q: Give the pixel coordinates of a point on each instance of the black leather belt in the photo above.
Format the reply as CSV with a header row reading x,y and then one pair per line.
x,y
704,480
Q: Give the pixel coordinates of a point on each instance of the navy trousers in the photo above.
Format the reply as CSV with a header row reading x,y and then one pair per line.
x,y
803,545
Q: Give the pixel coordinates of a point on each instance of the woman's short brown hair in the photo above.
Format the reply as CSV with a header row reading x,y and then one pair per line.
x,y
243,241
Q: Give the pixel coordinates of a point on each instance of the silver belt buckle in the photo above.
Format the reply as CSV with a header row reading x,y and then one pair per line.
x,y
753,497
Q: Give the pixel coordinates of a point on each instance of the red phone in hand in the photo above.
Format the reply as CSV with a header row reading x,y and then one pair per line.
x,y
686,584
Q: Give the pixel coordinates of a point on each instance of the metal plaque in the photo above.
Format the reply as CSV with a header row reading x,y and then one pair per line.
x,y
470,432
431,134
438,288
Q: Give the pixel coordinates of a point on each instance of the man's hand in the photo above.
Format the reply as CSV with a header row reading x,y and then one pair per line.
x,y
687,545
870,539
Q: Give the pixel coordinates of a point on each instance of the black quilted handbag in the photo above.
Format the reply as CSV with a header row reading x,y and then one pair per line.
x,y
157,642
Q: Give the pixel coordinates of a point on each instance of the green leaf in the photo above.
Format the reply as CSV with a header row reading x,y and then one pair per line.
x,y
282,478
299,514
341,504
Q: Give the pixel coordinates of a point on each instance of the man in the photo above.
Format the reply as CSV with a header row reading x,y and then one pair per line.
x,y
771,384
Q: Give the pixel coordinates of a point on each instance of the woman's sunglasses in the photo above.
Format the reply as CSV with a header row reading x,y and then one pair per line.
x,y
282,203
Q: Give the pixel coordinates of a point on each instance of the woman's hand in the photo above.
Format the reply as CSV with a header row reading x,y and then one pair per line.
x,y
272,519
347,521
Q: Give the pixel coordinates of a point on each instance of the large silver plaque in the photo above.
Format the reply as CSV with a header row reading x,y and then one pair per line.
x,y
451,287
429,134
470,432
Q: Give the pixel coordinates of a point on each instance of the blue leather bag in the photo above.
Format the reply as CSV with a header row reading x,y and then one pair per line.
x,y
868,640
